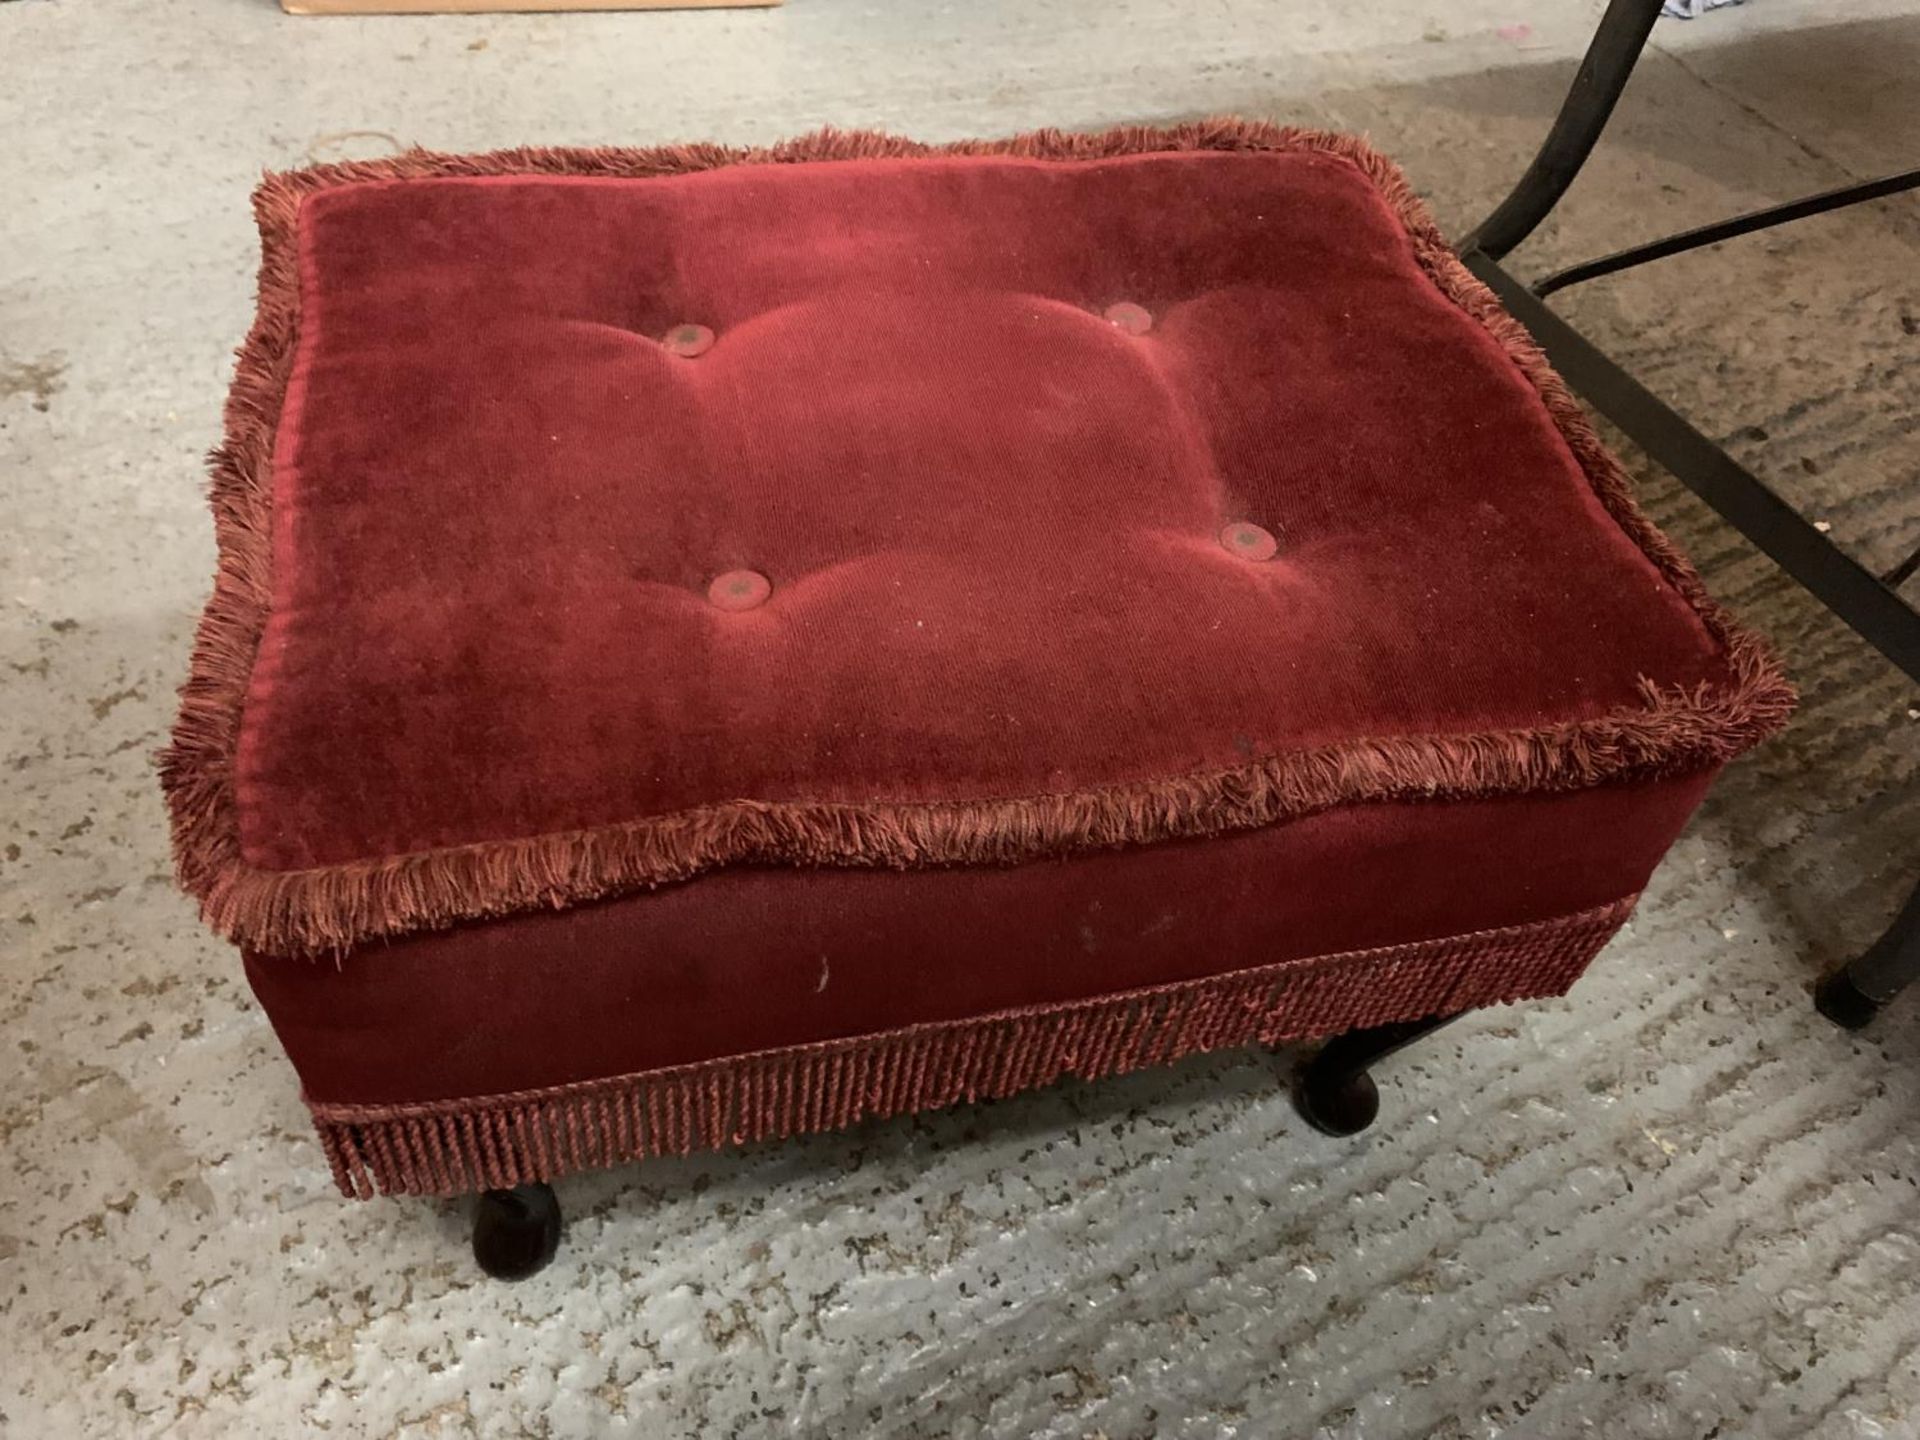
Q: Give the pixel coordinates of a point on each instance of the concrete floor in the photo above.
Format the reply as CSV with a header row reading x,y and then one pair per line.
x,y
1675,1204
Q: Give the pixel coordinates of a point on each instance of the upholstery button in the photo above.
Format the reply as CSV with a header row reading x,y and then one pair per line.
x,y
1249,541
1129,317
687,341
739,590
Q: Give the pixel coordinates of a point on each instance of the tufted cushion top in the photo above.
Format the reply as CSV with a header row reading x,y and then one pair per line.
x,y
617,514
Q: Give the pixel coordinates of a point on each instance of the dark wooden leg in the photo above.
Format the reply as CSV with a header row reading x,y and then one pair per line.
x,y
515,1232
1853,995
1335,1093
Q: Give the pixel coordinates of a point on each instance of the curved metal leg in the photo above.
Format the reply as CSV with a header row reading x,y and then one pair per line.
x,y
516,1232
1335,1094
1610,58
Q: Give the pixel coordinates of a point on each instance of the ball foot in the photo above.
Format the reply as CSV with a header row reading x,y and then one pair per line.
x,y
516,1232
1337,1103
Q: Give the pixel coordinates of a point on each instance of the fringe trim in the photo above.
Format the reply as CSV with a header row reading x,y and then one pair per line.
x,y
450,1147
333,907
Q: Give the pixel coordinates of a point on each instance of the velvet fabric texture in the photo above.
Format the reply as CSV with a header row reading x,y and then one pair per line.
x,y
989,517
715,644
1083,490
446,1147
754,959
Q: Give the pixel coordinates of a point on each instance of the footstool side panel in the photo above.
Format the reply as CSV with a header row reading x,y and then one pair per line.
x,y
1347,918
499,1141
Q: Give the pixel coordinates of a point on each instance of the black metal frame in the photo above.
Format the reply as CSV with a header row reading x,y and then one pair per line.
x,y
1865,601
1334,1092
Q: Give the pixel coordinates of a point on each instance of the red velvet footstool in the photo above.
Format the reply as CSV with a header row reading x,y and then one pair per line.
x,y
712,645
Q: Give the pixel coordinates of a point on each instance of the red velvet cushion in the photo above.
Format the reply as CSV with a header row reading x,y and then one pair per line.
x,y
1156,544
990,517
591,529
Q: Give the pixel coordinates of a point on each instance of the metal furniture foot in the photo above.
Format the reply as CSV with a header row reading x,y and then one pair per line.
x,y
1842,1002
517,1231
1334,1093
1854,994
